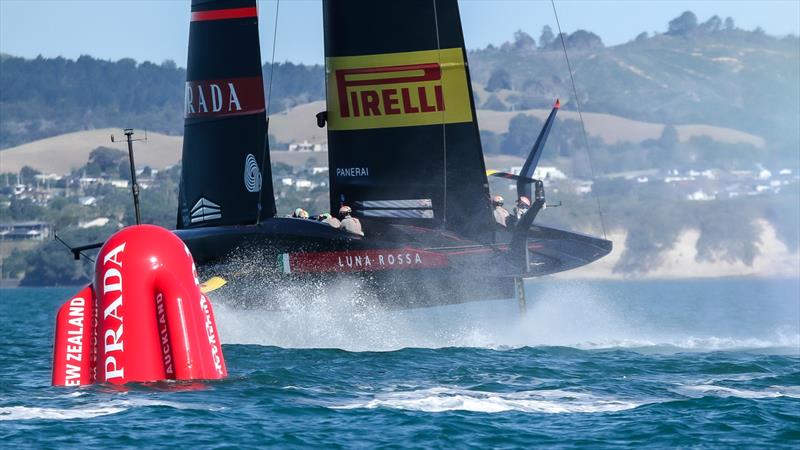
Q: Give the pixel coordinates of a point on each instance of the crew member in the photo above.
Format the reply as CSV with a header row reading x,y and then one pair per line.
x,y
328,219
349,223
523,205
300,213
500,214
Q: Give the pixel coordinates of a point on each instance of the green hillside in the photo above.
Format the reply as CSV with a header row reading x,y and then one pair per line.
x,y
46,97
710,73
732,78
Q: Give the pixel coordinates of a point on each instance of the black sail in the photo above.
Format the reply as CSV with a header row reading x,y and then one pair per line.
x,y
402,133
226,177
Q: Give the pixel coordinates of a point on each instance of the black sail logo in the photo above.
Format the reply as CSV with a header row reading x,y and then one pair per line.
x,y
252,174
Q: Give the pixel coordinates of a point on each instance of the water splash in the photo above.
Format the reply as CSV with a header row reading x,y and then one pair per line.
x,y
578,315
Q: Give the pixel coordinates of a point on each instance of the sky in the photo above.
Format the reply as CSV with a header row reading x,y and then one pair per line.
x,y
157,30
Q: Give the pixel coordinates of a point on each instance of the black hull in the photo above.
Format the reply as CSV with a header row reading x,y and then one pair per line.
x,y
401,266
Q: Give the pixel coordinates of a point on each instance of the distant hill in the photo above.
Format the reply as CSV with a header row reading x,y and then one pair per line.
x,y
62,153
44,97
710,79
726,77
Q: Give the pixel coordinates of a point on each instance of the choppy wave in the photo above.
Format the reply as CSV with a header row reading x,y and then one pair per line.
x,y
34,413
545,377
441,399
705,390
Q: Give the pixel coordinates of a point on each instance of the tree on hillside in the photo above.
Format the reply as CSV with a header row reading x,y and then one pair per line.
x,y
580,39
712,25
495,104
583,39
642,36
27,175
669,138
22,209
105,160
522,132
546,37
523,41
729,25
683,24
500,79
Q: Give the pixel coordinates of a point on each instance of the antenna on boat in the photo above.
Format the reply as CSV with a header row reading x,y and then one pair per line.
x,y
134,184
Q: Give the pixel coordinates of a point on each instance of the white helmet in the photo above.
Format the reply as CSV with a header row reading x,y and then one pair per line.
x,y
497,200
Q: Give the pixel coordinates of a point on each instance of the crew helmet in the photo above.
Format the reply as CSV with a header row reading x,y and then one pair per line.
x,y
345,210
524,201
497,200
301,213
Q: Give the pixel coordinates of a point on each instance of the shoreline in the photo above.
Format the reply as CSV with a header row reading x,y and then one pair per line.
x,y
679,262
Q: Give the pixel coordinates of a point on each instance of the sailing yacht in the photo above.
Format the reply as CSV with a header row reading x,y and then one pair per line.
x,y
404,154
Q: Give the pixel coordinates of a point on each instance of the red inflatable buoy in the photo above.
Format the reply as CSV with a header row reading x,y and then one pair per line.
x,y
143,319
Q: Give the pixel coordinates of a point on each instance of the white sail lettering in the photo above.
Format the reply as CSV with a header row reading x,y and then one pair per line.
x,y
216,98
189,108
417,259
201,99
234,99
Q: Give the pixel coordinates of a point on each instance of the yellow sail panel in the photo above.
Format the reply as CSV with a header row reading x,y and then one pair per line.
x,y
397,90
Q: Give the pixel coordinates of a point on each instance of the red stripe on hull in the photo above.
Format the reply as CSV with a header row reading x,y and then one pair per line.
x,y
224,14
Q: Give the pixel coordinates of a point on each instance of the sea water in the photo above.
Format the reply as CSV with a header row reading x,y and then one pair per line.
x,y
713,363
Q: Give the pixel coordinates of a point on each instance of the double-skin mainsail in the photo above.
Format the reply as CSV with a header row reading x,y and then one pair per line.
x,y
402,133
226,178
